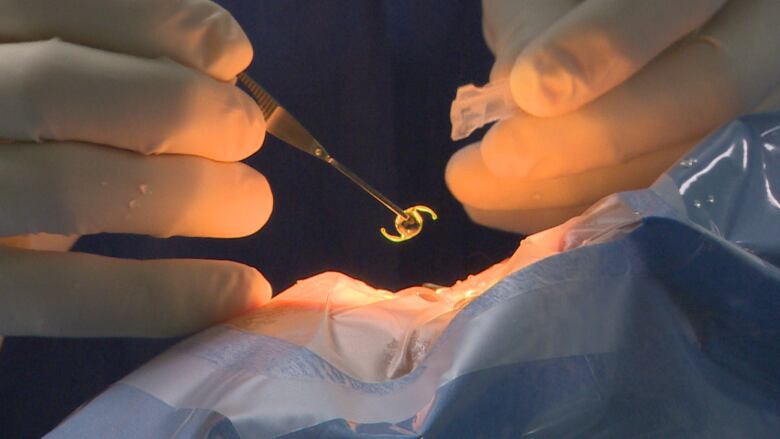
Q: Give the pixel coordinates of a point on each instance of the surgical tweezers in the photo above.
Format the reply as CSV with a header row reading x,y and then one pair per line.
x,y
282,125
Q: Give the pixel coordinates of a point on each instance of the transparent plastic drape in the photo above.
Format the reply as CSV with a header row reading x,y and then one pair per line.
x,y
655,314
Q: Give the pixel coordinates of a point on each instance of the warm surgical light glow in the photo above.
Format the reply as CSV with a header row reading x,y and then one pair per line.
x,y
374,334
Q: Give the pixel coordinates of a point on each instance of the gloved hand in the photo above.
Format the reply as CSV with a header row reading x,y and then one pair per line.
x,y
612,93
120,116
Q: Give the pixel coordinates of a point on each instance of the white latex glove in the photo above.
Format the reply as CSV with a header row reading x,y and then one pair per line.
x,y
613,92
121,117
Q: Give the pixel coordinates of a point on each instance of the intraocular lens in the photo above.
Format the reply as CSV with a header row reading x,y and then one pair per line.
x,y
410,226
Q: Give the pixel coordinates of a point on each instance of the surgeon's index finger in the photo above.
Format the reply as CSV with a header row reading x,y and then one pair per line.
x,y
682,95
597,46
196,33
524,206
78,189
523,222
474,185
54,90
81,295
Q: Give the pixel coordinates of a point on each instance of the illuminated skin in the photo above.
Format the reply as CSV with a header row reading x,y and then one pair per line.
x,y
612,93
375,335
369,333
411,226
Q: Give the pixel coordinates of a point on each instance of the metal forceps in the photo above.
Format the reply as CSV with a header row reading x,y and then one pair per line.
x,y
282,125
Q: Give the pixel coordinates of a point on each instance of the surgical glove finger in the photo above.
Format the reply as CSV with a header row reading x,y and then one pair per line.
x,y
771,101
40,241
523,221
197,33
596,46
84,295
527,206
60,91
77,189
510,25
684,94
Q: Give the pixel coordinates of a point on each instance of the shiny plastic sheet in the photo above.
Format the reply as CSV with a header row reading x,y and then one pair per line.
x,y
655,314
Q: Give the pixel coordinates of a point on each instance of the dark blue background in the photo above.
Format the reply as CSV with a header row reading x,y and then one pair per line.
x,y
373,80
